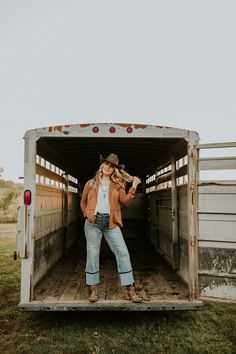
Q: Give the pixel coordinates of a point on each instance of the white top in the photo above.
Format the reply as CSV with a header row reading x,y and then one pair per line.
x,y
103,203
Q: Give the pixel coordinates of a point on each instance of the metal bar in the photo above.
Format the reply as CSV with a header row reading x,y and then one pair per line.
x,y
192,214
109,305
65,213
174,206
29,183
44,172
216,145
223,241
214,212
217,163
217,183
220,275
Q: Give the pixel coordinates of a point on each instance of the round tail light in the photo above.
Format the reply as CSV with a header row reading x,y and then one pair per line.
x,y
95,129
27,197
112,130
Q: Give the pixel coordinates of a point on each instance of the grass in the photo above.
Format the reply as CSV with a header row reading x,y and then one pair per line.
x,y
211,330
10,215
7,227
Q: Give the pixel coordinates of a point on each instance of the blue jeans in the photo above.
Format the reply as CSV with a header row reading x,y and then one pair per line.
x,y
115,240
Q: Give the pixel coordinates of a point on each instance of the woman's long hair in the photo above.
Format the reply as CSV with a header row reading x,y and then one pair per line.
x,y
119,176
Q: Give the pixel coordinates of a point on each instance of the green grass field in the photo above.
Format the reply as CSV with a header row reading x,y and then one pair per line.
x,y
211,330
10,215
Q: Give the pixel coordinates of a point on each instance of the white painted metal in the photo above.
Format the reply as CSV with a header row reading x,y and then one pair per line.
x,y
226,291
29,183
217,163
230,144
21,234
85,130
217,244
217,228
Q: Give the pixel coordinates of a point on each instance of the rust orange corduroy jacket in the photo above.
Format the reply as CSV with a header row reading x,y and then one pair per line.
x,y
117,196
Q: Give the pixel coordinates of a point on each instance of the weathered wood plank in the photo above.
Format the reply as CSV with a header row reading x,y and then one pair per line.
x,y
153,280
73,284
112,284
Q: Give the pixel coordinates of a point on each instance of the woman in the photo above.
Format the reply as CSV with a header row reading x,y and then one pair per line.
x,y
101,205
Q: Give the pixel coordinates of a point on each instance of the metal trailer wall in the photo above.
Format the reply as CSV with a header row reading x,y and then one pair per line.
x,y
134,217
161,228
217,228
183,270
161,145
169,198
56,218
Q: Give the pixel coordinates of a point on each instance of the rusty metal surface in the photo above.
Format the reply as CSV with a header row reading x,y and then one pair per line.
x,y
67,145
103,129
57,128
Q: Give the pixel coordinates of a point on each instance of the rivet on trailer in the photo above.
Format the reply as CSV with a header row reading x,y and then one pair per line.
x,y
180,230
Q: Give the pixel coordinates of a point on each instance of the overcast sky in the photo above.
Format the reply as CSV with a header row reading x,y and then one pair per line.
x,y
169,63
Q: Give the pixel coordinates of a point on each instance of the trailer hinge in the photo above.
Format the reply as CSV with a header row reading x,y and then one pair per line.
x,y
193,243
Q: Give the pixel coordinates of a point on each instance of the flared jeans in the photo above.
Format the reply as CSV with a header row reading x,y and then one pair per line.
x,y
115,240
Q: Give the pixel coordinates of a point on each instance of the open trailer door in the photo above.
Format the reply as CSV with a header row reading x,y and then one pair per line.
x,y
217,220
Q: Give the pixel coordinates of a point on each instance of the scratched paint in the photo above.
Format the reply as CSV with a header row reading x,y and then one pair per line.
x,y
135,126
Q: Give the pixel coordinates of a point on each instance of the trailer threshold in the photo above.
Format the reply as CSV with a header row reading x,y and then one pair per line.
x,y
110,305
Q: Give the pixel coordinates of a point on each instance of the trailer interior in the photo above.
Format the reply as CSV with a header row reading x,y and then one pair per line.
x,y
156,225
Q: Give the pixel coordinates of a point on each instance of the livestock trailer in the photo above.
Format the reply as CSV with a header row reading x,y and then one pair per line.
x,y
180,230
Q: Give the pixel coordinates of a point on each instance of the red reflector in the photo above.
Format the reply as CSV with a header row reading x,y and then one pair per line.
x,y
129,130
95,129
112,130
27,197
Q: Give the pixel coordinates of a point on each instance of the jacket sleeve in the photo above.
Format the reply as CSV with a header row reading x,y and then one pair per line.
x,y
83,202
124,198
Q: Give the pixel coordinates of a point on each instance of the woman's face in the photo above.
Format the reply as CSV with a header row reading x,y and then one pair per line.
x,y
108,169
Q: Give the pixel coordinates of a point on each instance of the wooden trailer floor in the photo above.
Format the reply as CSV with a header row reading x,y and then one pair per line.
x,y
154,279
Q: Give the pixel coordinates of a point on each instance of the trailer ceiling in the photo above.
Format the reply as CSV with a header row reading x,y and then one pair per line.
x,y
81,156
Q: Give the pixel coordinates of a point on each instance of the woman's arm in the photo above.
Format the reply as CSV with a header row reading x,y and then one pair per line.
x,y
83,202
126,199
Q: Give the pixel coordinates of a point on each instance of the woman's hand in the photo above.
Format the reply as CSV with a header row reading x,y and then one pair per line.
x,y
136,181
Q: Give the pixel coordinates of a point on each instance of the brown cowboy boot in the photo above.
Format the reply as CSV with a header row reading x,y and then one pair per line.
x,y
93,293
132,294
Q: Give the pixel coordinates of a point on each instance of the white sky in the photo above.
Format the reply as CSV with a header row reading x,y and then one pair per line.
x,y
166,62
